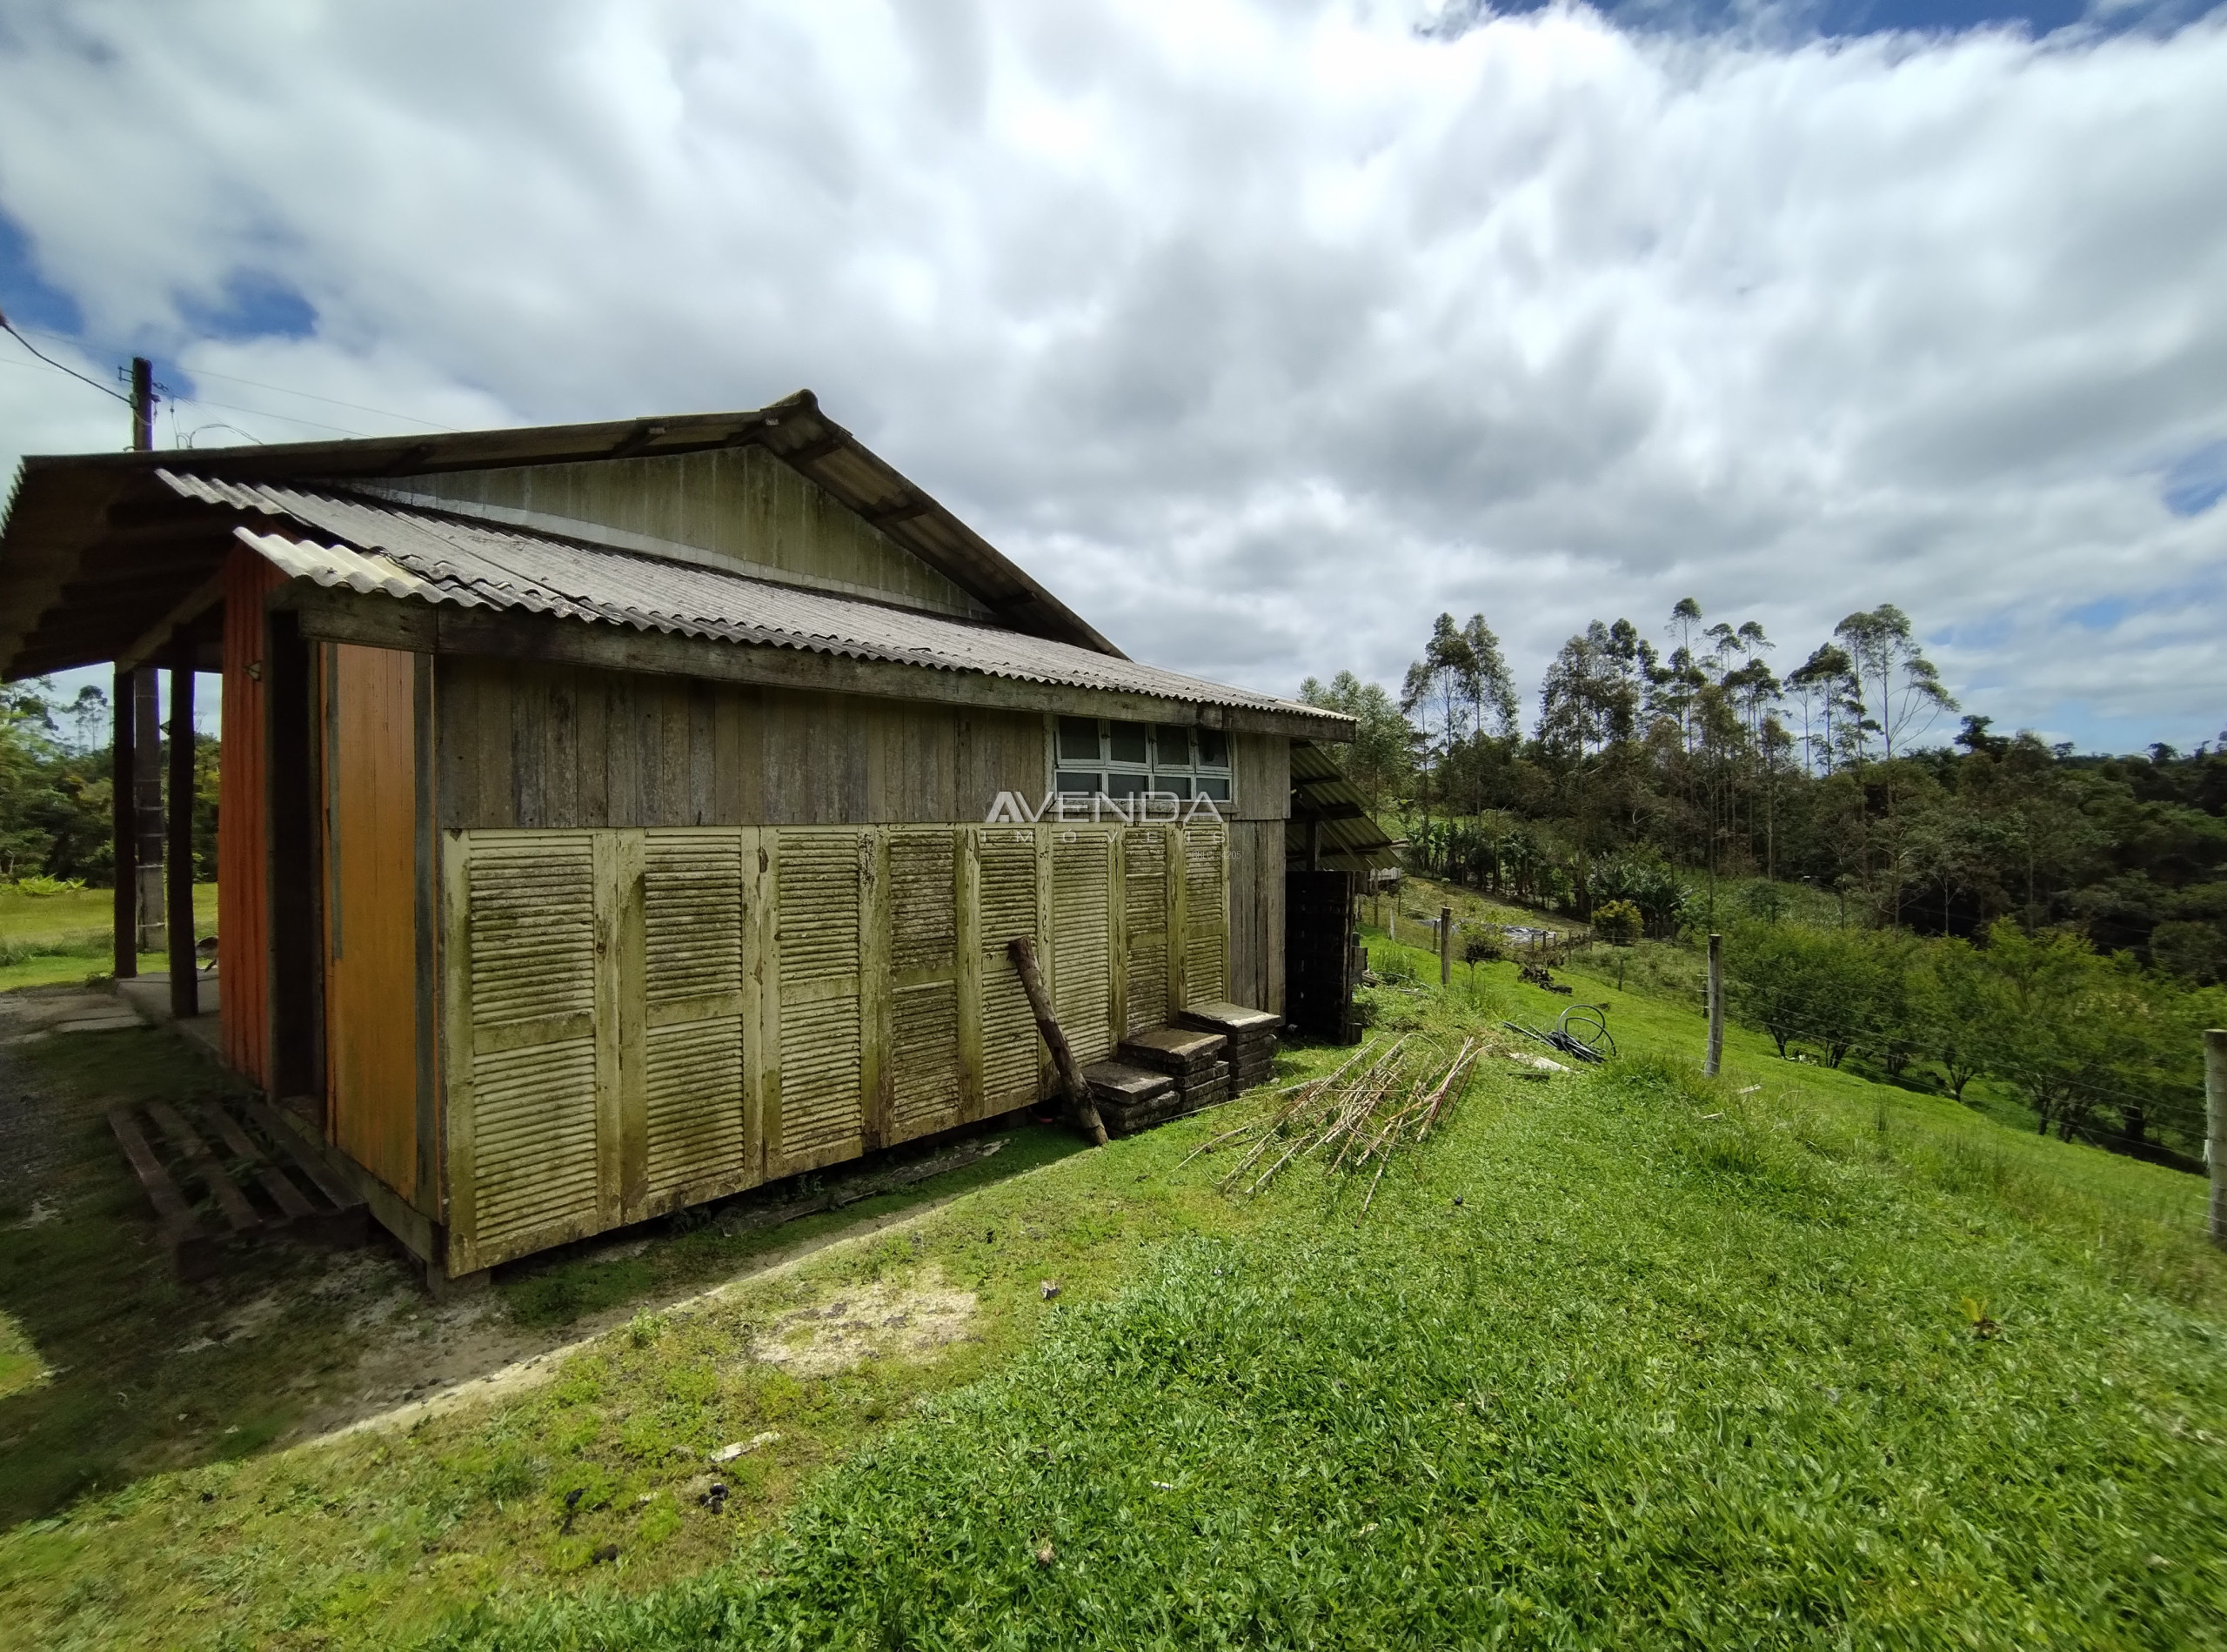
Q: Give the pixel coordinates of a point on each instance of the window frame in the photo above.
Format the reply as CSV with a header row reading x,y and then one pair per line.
x,y
1107,771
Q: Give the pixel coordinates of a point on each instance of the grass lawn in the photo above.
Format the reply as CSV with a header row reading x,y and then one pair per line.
x,y
50,938
1620,1357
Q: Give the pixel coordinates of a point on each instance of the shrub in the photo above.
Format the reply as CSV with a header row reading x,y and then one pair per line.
x,y
1617,922
45,886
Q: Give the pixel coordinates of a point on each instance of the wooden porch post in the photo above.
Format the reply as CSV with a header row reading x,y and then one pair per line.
x,y
123,823
185,985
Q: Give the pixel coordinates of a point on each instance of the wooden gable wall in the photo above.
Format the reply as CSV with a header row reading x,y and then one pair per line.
x,y
740,508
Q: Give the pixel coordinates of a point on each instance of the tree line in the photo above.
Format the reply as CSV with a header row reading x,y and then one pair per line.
x,y
1655,772
2099,1048
58,789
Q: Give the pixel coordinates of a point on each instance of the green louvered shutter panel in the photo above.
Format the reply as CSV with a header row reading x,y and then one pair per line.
x,y
693,1032
817,1101
1146,849
1206,907
1081,929
1011,1064
924,981
526,1171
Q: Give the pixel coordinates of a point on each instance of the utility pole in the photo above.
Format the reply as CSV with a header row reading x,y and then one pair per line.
x,y
143,404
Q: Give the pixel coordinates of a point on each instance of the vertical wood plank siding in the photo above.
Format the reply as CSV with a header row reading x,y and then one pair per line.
x,y
741,507
369,763
526,744
1256,913
242,824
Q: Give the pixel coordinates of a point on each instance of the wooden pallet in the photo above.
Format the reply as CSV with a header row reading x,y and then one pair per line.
x,y
301,1199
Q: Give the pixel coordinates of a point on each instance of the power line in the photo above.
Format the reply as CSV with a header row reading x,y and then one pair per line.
x,y
331,401
281,390
258,412
9,327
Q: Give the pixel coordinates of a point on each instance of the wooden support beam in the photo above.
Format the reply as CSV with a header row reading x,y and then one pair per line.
x,y
186,979
159,636
124,824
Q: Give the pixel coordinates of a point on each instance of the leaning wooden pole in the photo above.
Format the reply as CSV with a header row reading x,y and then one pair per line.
x,y
1023,953
2215,1134
1445,945
1716,1058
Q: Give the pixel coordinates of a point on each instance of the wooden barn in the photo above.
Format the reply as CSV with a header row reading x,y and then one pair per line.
x,y
611,815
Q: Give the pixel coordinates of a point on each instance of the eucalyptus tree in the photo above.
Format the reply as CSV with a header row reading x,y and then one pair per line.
x,y
1380,756
1437,693
1490,686
1908,694
1827,682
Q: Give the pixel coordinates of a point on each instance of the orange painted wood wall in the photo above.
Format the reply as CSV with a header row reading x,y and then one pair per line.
x,y
243,824
370,939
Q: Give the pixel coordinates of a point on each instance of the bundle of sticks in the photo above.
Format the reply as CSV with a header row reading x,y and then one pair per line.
x,y
1386,1095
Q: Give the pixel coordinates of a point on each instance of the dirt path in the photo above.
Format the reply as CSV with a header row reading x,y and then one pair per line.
x,y
462,1353
290,1342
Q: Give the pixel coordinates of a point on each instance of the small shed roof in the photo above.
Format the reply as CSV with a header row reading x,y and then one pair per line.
x,y
1321,798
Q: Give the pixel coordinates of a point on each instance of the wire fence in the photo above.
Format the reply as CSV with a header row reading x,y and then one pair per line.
x,y
2174,1108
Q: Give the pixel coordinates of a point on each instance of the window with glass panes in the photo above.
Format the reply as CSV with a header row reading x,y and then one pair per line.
x,y
1125,759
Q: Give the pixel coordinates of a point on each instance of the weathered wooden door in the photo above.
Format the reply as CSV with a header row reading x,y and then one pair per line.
x,y
1145,896
530,1119
1206,913
1083,899
929,1079
694,1131
814,1022
369,852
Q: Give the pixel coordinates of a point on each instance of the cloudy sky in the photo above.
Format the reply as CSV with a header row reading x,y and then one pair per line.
x,y
1263,332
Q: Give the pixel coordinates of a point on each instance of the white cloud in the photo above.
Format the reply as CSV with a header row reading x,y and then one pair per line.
x,y
1262,333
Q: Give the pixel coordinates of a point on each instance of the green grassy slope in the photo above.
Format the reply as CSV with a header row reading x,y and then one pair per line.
x,y
1683,1366
50,938
1622,1358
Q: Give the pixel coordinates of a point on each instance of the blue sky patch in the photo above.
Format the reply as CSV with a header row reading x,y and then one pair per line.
x,y
2197,481
1843,19
24,294
254,306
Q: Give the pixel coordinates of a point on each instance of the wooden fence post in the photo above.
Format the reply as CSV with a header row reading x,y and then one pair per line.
x,y
1445,945
1715,1007
2215,1134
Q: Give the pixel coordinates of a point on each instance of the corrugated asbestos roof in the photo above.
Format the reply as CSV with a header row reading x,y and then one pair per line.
x,y
399,551
94,552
